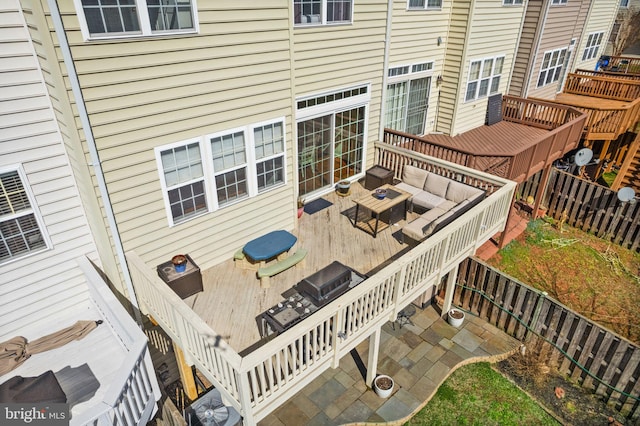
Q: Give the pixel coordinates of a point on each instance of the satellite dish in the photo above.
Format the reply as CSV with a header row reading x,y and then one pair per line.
x,y
626,194
583,157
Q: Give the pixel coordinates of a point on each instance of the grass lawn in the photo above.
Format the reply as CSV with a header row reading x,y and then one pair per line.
x,y
600,280
477,395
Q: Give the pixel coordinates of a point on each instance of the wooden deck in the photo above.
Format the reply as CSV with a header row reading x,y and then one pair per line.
x,y
232,297
590,102
503,138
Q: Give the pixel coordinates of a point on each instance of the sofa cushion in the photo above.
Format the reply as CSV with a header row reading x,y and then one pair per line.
x,y
414,176
439,223
436,184
409,188
426,200
459,192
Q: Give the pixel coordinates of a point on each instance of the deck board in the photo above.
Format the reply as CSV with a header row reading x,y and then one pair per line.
x,y
502,138
232,298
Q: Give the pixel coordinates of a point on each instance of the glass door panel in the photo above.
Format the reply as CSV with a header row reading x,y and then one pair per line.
x,y
330,148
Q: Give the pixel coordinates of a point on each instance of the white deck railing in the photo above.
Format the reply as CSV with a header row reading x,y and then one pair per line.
x,y
261,381
132,394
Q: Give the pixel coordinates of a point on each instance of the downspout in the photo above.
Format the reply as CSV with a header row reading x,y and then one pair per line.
x,y
385,70
93,150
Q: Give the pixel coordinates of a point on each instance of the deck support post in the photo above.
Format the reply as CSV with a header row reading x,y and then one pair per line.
x,y
186,374
372,362
541,191
450,288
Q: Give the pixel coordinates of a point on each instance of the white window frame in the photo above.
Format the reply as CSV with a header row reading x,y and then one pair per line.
x,y
143,21
425,5
512,2
209,174
166,188
32,210
410,74
491,77
624,4
322,18
552,68
594,42
558,2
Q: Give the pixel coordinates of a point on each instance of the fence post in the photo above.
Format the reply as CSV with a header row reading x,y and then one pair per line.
x,y
536,314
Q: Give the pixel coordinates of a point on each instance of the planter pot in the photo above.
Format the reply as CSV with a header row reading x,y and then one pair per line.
x,y
455,317
300,212
179,262
383,386
343,187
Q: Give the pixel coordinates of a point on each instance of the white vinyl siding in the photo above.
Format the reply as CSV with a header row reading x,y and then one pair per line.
x,y
551,68
484,77
424,4
108,18
322,12
21,228
593,45
201,175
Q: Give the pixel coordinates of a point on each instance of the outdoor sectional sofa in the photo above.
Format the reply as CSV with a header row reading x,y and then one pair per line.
x,y
443,199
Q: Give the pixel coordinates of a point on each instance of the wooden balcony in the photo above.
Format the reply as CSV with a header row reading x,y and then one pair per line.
x,y
623,64
612,104
217,329
531,135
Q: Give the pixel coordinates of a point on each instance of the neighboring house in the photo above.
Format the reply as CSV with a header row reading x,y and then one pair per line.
x,y
559,36
47,280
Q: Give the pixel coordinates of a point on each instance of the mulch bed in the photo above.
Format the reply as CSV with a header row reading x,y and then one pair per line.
x,y
576,406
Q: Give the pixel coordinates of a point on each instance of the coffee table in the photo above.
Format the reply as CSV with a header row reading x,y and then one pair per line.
x,y
395,196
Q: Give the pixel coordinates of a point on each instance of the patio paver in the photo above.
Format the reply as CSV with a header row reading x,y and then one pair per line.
x,y
419,357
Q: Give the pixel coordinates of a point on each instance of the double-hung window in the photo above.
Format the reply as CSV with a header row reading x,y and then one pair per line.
x,y
593,45
512,2
268,141
21,228
214,171
551,68
424,4
557,2
184,179
322,12
229,156
112,18
407,97
484,77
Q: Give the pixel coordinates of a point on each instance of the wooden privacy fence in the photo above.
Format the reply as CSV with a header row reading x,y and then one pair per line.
x,y
595,357
588,206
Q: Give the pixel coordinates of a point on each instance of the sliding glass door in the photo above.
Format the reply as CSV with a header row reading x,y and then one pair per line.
x,y
330,148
